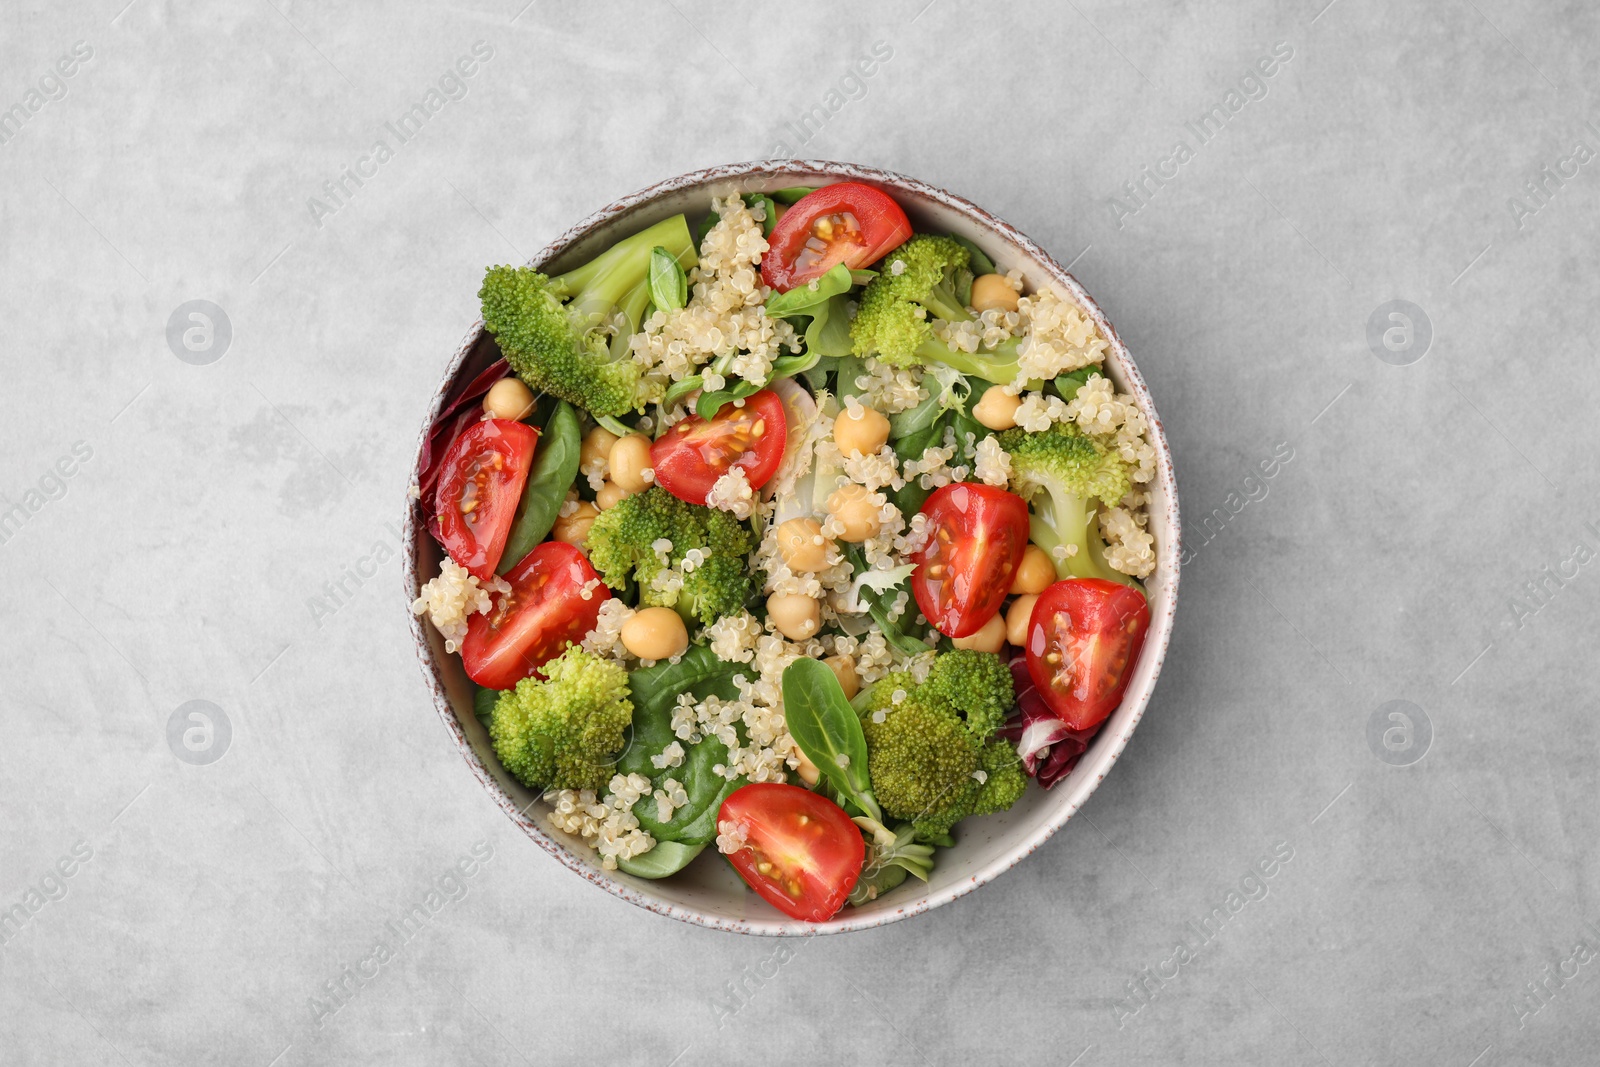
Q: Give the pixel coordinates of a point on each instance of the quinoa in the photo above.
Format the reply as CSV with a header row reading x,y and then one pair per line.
x,y
732,493
451,598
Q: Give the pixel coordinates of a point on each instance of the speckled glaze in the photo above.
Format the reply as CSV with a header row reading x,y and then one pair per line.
x,y
707,893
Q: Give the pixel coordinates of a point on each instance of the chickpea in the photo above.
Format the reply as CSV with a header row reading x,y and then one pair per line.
x,y
992,638
1017,619
609,495
997,409
844,669
596,448
806,770
574,528
630,458
508,399
991,292
796,615
1036,574
802,546
857,513
655,633
860,434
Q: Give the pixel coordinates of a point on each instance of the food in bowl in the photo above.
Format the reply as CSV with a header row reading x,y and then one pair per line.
x,y
788,533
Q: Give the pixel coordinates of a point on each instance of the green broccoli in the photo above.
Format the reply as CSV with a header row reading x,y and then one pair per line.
x,y
977,684
564,731
1067,475
929,756
622,546
568,335
893,321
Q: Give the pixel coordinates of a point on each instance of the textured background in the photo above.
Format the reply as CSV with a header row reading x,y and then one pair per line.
x,y
1427,542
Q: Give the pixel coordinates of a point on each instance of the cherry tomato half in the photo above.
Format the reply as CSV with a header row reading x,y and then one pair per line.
x,y
976,537
1084,639
848,223
802,853
534,623
690,457
483,475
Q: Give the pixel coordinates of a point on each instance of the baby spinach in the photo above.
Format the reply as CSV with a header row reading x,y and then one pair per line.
x,y
877,606
1069,383
791,194
981,263
655,693
771,218
827,730
555,467
483,702
668,857
829,332
710,403
803,299
669,286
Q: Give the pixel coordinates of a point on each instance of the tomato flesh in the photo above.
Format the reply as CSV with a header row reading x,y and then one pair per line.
x,y
847,223
801,852
484,473
690,457
1084,638
535,622
976,537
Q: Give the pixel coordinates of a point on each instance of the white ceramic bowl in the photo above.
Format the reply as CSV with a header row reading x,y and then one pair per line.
x,y
708,892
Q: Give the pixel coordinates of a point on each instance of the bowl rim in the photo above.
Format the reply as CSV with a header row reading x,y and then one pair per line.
x,y
1080,785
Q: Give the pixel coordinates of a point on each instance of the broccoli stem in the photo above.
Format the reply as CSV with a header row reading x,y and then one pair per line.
x,y
1071,525
998,365
601,284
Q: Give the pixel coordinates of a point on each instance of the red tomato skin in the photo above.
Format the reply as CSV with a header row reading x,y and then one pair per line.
x,y
478,544
1108,622
547,613
884,227
759,808
962,509
684,458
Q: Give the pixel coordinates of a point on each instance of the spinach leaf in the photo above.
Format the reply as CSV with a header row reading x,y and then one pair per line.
x,y
903,424
850,368
803,298
680,389
827,730
555,468
1068,384
791,194
669,286
981,264
710,403
668,857
829,332
655,693
483,702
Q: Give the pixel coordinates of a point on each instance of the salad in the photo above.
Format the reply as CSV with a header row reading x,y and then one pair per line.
x,y
790,533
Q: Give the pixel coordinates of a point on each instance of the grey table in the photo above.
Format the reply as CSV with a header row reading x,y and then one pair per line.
x,y
207,513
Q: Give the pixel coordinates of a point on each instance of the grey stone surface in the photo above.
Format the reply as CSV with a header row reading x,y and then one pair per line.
x,y
215,494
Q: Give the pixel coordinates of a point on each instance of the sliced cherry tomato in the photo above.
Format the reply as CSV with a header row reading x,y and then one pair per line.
x,y
976,537
535,622
480,486
1084,639
848,223
690,457
802,853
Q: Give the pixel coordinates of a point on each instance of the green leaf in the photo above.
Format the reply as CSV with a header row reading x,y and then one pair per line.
x,y
862,277
803,298
1068,384
668,857
680,389
771,219
669,286
483,702
710,403
891,629
791,194
555,468
655,693
829,332
827,730
981,263
917,420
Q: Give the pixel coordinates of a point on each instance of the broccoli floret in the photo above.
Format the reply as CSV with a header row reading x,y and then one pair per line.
x,y
568,335
1066,475
977,684
622,546
893,321
920,759
1004,780
564,731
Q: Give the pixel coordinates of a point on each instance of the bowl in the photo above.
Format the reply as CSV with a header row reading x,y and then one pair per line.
x,y
708,892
